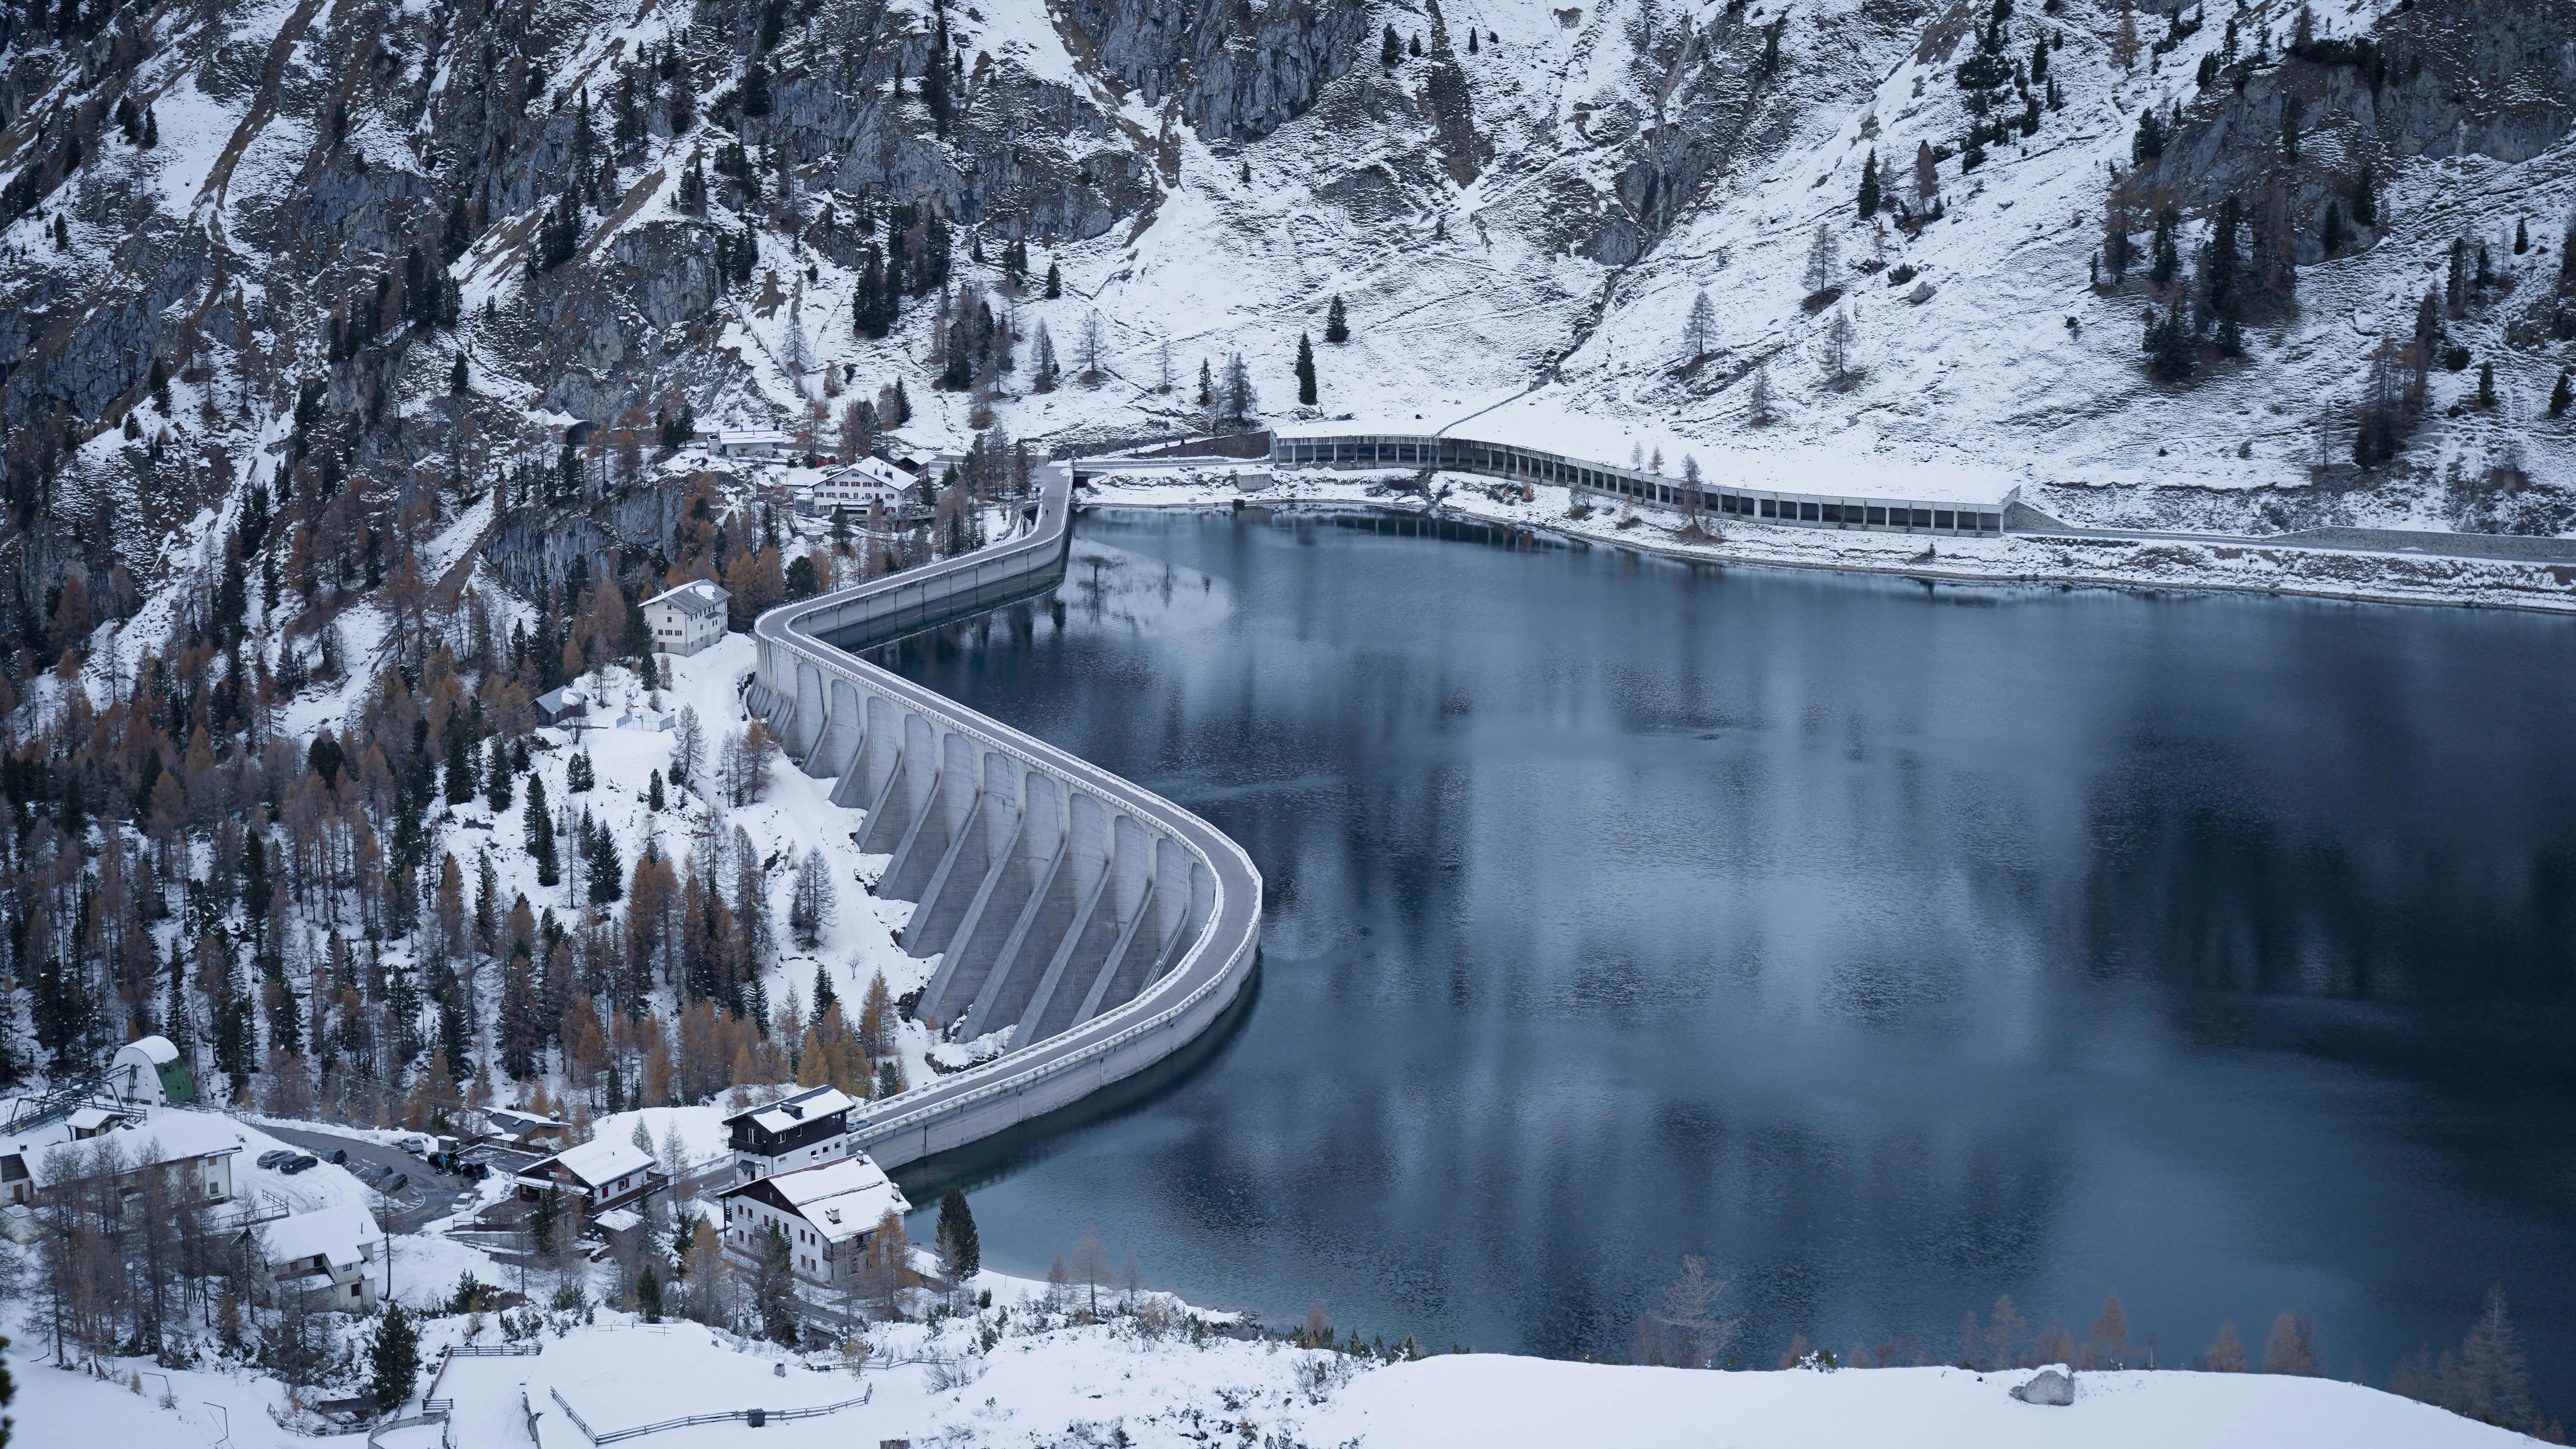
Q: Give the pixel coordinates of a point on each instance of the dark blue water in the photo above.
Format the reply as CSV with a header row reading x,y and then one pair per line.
x,y
1892,946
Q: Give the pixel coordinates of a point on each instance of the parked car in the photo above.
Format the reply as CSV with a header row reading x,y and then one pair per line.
x,y
273,1158
416,1145
395,1183
339,1157
299,1163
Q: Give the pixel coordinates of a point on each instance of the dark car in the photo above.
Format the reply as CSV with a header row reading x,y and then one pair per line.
x,y
276,1156
339,1157
301,1161
395,1183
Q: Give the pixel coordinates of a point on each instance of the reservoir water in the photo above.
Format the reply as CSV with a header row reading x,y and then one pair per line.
x,y
1891,946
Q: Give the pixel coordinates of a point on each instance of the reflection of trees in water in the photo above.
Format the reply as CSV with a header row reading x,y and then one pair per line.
x,y
1115,589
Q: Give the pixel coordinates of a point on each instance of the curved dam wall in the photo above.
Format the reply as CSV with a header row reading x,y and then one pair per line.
x,y
1100,925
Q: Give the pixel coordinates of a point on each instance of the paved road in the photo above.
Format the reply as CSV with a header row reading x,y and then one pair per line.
x,y
431,1195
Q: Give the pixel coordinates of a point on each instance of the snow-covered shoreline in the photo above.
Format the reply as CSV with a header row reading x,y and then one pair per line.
x,y
2343,575
1033,1366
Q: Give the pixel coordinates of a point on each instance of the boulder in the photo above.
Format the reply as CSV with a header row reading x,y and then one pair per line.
x,y
2049,1386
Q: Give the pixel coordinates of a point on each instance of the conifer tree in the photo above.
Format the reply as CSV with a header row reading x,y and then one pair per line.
x,y
755,88
2149,142
538,821
2561,396
1700,328
459,380
1390,51
2365,199
2330,230
1868,199
496,777
1337,323
2164,255
961,1253
2169,344
1305,370
394,1359
2521,237
2491,1380
934,78
459,232
1054,282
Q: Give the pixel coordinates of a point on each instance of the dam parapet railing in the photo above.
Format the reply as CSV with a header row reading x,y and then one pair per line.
x,y
1103,926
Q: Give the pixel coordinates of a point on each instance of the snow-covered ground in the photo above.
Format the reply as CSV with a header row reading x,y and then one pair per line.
x,y
629,736
1017,1375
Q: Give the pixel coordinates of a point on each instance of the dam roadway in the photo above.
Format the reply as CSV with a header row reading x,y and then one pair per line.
x,y
1103,926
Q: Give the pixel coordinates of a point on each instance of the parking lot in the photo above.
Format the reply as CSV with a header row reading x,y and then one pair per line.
x,y
427,1195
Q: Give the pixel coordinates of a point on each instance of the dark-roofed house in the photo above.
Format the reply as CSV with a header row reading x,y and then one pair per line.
x,y
796,1131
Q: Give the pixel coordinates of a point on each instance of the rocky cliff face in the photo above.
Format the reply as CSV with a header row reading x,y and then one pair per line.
x,y
268,230
253,247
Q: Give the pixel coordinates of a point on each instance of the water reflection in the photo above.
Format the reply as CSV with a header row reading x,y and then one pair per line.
x,y
1896,946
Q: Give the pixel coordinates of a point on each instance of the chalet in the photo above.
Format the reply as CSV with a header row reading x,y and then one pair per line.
x,y
605,1173
687,619
324,1256
827,1214
798,1131
193,1150
861,486
752,443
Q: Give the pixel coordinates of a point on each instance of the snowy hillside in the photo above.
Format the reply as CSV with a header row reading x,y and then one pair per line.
x,y
1020,1373
225,229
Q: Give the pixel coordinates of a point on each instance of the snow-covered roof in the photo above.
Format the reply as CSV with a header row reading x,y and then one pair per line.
x,y
839,1199
515,1123
167,1135
699,597
340,1236
744,437
866,473
599,1161
155,1049
804,1106
89,1120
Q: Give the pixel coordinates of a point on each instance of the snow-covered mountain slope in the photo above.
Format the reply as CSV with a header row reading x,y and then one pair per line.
x,y
677,204
1020,1373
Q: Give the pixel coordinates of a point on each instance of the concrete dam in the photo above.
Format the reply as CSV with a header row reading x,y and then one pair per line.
x,y
1102,926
